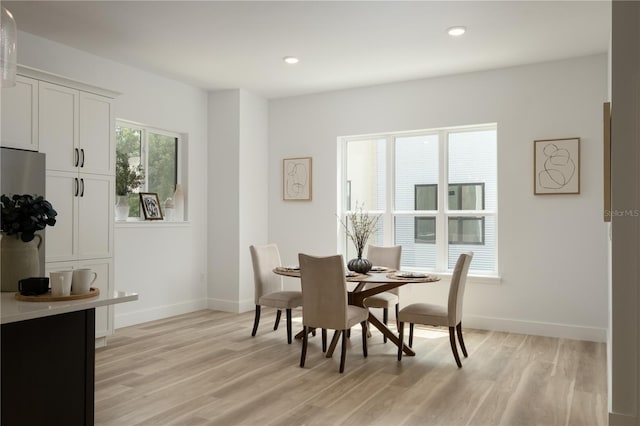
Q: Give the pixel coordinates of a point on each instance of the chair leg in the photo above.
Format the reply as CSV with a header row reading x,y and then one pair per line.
x,y
324,340
364,338
410,334
305,338
256,320
288,326
349,334
397,312
454,349
461,340
385,320
275,326
401,338
343,355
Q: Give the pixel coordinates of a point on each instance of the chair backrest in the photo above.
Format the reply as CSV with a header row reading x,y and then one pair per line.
x,y
385,256
324,292
264,258
456,289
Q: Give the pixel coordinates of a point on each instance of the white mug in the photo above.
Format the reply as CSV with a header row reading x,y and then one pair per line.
x,y
82,280
60,283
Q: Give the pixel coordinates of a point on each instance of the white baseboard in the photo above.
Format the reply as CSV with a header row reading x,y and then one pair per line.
x,y
160,312
535,328
231,305
621,420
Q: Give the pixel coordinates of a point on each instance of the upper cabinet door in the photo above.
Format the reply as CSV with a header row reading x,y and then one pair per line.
x,y
97,134
59,127
20,114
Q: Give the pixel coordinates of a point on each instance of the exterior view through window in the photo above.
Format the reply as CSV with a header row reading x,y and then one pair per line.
x,y
434,190
151,154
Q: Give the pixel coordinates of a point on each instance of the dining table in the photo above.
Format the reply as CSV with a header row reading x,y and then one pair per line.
x,y
378,280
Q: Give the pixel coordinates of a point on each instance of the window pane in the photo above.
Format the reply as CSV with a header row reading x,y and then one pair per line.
x,y
366,174
128,159
413,254
162,165
416,164
484,256
472,160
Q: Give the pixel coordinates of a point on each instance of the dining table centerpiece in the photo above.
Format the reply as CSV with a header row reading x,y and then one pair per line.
x,y
22,215
359,226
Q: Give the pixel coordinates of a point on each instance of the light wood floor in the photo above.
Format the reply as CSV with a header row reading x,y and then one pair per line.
x,y
204,368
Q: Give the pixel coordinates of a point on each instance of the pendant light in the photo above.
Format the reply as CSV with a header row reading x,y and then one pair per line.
x,y
8,53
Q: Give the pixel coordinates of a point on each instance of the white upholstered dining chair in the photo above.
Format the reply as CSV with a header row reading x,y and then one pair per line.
x,y
388,257
324,302
448,316
268,286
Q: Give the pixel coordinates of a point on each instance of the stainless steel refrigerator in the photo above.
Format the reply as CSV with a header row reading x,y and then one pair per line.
x,y
23,172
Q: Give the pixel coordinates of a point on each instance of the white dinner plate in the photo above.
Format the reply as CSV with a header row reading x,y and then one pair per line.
x,y
379,268
411,275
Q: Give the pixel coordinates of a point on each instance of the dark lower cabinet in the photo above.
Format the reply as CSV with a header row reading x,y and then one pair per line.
x,y
47,370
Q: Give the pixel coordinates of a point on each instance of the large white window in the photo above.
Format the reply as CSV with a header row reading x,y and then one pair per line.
x,y
154,155
435,192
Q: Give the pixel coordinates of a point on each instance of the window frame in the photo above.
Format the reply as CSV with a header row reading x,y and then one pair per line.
x,y
441,216
145,130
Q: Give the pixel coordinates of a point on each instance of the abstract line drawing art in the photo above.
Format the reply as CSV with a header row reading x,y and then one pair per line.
x,y
556,166
296,179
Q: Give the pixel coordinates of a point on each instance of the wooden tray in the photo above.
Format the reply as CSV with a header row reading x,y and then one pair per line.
x,y
47,297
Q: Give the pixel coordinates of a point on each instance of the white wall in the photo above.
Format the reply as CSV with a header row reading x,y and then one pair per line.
x,y
238,194
165,264
552,249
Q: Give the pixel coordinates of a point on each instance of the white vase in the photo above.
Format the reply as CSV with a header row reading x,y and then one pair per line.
x,y
178,202
122,208
19,260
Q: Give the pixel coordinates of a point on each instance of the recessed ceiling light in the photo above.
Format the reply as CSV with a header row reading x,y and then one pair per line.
x,y
456,31
291,60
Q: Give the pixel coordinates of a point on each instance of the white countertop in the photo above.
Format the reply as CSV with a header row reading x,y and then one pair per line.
x,y
13,310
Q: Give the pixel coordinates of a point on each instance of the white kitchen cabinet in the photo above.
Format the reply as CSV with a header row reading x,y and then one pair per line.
x,y
104,270
84,225
77,130
75,127
20,114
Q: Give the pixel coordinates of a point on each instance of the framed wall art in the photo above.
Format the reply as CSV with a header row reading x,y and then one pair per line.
x,y
296,179
150,206
556,166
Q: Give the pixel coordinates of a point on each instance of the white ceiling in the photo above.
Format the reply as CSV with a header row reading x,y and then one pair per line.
x,y
341,44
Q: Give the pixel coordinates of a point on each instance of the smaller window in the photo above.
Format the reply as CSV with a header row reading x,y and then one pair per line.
x,y
425,230
466,230
466,196
152,154
426,197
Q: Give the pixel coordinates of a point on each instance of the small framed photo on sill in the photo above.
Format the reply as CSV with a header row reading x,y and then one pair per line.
x,y
150,206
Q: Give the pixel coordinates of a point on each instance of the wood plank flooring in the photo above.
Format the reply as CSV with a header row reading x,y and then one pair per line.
x,y
204,368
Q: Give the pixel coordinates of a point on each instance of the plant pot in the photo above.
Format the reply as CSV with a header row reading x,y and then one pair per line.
x,y
19,260
359,265
122,208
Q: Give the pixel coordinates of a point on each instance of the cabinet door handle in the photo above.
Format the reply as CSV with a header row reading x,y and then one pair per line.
x,y
75,181
76,157
82,184
82,152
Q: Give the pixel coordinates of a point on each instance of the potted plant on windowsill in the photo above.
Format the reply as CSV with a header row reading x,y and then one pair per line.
x,y
128,179
21,217
359,226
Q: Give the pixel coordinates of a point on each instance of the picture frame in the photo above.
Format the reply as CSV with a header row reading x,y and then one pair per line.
x,y
556,166
296,179
150,206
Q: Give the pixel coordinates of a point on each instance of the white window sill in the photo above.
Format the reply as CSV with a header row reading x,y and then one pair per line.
x,y
472,278
141,223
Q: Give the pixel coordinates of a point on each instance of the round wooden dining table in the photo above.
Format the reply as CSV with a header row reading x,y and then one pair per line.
x,y
368,285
